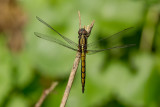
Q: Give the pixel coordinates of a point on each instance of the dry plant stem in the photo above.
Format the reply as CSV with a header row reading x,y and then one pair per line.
x,y
46,93
70,80
79,19
89,28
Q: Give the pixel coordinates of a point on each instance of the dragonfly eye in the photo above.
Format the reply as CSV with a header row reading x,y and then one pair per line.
x,y
85,33
82,31
80,34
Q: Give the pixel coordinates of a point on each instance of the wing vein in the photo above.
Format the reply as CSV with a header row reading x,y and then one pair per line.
x,y
52,39
100,50
110,37
65,38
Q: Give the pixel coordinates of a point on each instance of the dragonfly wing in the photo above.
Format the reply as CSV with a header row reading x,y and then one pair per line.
x,y
115,47
52,39
111,40
65,38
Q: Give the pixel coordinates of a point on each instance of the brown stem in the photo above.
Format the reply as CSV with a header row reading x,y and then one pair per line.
x,y
79,19
89,28
70,80
46,93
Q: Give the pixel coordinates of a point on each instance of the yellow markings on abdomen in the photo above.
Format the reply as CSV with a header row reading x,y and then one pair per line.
x,y
83,69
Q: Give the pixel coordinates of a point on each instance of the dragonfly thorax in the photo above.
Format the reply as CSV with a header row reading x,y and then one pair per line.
x,y
82,41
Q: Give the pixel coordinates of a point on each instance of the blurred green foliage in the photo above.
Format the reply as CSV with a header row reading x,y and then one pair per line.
x,y
122,78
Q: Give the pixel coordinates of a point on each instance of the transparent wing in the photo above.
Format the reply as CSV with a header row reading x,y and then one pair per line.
x,y
65,38
112,40
52,39
115,47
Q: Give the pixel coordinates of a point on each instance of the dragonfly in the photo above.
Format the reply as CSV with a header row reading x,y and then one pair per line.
x,y
82,45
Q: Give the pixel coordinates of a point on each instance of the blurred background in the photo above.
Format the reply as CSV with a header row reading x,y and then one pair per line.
x,y
127,77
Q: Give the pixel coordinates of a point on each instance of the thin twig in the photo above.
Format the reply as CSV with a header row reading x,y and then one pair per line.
x,y
46,93
89,28
79,19
70,81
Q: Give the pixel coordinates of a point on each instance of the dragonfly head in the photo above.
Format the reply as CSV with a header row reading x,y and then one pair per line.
x,y
83,32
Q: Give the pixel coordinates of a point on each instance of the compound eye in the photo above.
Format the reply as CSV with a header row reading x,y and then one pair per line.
x,y
85,33
79,32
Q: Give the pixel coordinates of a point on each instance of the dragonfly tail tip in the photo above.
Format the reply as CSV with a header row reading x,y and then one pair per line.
x,y
82,89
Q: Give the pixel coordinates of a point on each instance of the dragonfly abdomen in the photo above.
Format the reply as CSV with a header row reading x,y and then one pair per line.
x,y
83,70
